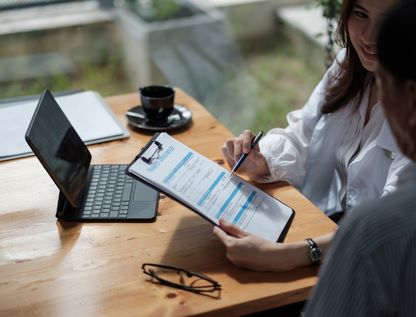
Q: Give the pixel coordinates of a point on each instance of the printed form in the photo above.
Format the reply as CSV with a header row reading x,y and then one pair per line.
x,y
210,189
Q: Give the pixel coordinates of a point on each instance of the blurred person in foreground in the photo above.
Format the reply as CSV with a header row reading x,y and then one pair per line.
x,y
371,265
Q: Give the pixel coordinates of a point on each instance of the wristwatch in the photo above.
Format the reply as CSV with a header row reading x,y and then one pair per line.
x,y
314,251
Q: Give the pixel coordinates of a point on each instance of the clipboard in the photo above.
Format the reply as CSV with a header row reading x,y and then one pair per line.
x,y
208,189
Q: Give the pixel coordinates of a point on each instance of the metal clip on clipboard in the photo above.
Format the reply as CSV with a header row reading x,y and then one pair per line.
x,y
155,153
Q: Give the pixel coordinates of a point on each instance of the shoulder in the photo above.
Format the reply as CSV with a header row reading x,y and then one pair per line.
x,y
340,56
378,239
335,68
330,78
312,108
379,222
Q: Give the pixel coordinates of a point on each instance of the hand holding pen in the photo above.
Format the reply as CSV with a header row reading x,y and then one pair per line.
x,y
243,156
254,163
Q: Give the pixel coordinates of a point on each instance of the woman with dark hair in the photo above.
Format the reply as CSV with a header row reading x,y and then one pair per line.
x,y
370,268
338,149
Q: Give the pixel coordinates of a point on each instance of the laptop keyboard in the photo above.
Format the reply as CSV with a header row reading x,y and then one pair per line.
x,y
109,192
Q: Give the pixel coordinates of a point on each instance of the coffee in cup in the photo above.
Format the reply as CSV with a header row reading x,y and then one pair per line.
x,y
157,103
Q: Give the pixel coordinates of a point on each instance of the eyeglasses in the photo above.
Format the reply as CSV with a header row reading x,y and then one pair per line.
x,y
181,278
155,154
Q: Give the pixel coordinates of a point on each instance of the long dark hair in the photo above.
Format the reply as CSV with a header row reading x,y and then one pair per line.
x,y
349,82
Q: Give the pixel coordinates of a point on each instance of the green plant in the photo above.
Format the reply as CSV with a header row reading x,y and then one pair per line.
x,y
331,10
156,10
285,73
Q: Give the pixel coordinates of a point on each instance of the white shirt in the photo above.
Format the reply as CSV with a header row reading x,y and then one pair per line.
x,y
334,159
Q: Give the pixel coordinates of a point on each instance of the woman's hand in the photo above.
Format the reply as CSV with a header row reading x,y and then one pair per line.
x,y
255,164
251,252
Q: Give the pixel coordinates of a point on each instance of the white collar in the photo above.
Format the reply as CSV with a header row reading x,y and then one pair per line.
x,y
386,140
407,174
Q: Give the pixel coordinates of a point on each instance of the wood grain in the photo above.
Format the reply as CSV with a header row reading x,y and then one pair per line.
x,y
54,268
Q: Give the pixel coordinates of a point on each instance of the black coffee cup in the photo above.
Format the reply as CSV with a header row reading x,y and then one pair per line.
x,y
157,102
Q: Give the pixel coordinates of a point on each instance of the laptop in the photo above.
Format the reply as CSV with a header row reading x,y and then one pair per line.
x,y
87,192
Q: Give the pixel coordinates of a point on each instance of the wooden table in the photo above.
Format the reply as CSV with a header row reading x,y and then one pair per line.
x,y
53,268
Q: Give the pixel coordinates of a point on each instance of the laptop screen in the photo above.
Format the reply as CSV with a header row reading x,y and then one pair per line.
x,y
59,148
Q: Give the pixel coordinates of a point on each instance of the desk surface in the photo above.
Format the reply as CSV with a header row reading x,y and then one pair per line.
x,y
52,268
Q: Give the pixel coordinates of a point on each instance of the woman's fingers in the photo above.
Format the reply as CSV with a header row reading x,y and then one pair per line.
x,y
232,229
235,147
229,148
238,144
247,137
220,234
229,160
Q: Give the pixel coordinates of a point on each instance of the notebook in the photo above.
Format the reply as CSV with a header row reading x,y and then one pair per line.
x,y
86,110
87,192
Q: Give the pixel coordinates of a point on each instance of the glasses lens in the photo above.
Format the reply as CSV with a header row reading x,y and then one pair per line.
x,y
182,278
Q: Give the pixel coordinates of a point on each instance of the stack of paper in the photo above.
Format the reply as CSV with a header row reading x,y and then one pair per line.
x,y
87,112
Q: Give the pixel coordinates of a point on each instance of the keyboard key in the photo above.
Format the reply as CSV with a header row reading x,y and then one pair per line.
x,y
108,187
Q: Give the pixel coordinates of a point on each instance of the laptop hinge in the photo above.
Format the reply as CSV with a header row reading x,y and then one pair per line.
x,y
65,210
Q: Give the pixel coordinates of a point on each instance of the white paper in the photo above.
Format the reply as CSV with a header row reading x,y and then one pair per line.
x,y
87,112
210,189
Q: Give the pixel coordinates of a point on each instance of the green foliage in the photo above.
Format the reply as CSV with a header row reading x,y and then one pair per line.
x,y
158,10
331,8
331,11
165,8
107,79
285,74
280,78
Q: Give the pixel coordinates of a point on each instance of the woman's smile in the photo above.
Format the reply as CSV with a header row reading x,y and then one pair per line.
x,y
369,53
